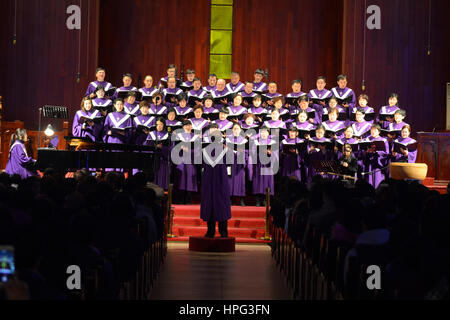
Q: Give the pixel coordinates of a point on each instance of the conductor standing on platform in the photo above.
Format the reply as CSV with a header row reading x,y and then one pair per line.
x,y
215,192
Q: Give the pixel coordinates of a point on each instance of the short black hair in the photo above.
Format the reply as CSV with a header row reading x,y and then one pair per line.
x,y
341,77
297,81
127,75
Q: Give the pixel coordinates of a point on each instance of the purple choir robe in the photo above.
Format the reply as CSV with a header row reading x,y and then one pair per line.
x,y
184,113
129,88
117,120
341,142
94,132
94,84
396,126
316,119
386,111
216,94
215,193
19,162
259,87
200,93
175,91
261,182
271,124
132,109
237,112
361,129
343,94
291,163
162,175
210,113
209,89
235,88
412,155
142,120
98,103
248,95
199,124
292,108
337,127
376,162
224,125
319,94
163,81
259,112
173,125
147,92
158,110
185,176
239,154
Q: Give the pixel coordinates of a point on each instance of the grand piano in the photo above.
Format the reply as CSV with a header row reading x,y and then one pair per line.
x,y
83,153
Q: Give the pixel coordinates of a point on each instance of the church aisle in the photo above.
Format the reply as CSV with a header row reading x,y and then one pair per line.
x,y
249,273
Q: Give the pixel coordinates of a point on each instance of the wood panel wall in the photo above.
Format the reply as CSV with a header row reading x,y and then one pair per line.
x,y
396,57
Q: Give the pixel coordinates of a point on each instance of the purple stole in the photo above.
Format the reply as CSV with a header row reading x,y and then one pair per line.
x,y
236,111
367,110
91,132
246,95
387,111
278,124
97,102
210,89
132,109
361,129
224,124
200,93
173,124
117,120
304,125
210,110
94,84
412,155
148,92
159,110
343,94
257,111
235,88
183,111
129,88
198,124
175,91
142,120
334,127
396,126
375,162
260,87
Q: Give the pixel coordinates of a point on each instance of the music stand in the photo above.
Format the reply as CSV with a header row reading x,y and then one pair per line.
x,y
53,112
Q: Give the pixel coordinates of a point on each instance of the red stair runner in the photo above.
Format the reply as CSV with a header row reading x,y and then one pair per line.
x,y
247,224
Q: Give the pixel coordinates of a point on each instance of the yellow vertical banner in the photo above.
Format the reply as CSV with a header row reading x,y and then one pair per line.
x,y
221,38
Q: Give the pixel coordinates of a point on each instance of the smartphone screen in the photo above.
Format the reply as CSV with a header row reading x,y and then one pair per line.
x,y
7,266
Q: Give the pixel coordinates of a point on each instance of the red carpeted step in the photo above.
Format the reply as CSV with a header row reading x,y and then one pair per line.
x,y
238,240
236,211
232,223
203,244
232,232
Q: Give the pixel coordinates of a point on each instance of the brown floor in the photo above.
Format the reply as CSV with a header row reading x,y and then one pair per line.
x,y
249,273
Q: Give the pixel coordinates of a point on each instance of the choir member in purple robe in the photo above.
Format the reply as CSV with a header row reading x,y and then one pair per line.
x,y
375,161
257,109
343,92
263,157
100,103
209,112
405,141
290,156
333,104
333,126
318,149
197,94
275,122
221,93
118,125
148,90
100,74
184,112
295,94
223,123
172,123
259,86
303,124
272,93
311,113
284,113
188,85
18,160
86,123
346,139
157,108
131,106
171,92
249,121
236,111
185,175
143,123
235,86
318,97
248,94
127,80
361,128
198,122
398,123
386,114
215,193
236,143
369,113
171,73
160,139
212,81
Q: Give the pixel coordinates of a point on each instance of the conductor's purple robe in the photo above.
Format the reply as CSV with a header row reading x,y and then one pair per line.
x,y
94,132
239,154
376,163
19,161
215,191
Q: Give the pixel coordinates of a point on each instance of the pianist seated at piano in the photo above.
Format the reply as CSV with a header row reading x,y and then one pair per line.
x,y
87,122
118,125
18,160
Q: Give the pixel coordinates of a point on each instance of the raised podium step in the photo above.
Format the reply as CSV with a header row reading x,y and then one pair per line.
x,y
203,244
